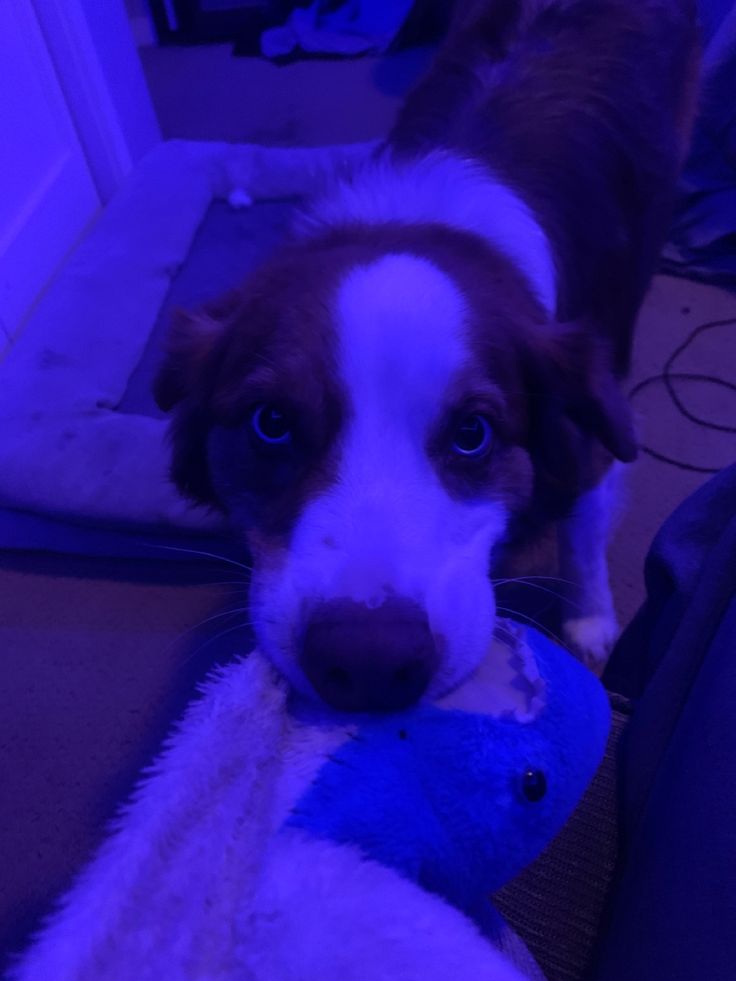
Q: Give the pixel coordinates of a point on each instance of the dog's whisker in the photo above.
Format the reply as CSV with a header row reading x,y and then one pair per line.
x,y
218,636
559,579
522,581
202,623
208,555
219,616
545,589
534,623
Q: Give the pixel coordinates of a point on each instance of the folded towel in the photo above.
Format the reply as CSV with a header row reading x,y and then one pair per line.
x,y
277,840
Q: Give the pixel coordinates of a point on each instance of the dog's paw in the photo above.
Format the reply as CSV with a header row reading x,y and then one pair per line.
x,y
592,638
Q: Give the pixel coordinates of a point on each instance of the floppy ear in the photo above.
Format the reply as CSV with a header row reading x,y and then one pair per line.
x,y
577,407
189,356
184,383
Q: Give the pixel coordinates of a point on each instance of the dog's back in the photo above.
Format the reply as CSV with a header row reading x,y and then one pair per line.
x,y
584,108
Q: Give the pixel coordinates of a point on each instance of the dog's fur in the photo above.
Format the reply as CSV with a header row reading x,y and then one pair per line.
x,y
490,259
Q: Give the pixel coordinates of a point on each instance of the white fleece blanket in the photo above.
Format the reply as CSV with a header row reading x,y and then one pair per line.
x,y
223,867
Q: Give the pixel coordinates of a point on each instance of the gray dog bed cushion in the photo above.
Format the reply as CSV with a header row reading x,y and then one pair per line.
x,y
83,456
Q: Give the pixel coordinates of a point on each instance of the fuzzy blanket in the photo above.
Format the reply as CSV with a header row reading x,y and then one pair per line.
x,y
274,840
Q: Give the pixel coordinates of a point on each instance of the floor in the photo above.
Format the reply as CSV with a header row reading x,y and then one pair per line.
x,y
97,661
307,103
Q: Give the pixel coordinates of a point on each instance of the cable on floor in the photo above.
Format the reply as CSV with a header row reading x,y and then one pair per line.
x,y
667,377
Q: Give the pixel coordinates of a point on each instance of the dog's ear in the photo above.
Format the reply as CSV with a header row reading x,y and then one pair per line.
x,y
184,384
189,357
576,408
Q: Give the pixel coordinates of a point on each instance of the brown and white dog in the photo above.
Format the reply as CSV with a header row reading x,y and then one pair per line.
x,y
434,360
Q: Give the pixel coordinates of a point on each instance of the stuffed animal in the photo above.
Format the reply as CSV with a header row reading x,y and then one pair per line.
x,y
277,841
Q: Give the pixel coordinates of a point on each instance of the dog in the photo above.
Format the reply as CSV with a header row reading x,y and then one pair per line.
x,y
431,367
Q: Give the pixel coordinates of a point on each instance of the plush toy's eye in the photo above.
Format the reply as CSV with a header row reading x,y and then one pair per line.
x,y
533,785
473,437
271,425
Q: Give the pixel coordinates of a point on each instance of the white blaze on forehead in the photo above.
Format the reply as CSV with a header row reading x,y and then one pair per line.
x,y
401,342
401,339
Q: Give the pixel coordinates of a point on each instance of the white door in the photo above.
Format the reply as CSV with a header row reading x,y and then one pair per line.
x,y
47,195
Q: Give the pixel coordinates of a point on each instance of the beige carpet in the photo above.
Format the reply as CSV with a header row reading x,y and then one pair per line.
x,y
203,93
94,665
673,309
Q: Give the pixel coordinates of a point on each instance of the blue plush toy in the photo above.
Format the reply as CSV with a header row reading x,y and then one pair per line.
x,y
276,842
461,801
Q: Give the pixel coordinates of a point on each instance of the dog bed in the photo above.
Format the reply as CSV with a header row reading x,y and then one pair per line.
x,y
83,462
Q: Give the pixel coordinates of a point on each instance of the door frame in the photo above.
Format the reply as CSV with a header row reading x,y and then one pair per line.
x,y
94,54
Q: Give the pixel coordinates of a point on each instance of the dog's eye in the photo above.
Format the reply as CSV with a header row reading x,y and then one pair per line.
x,y
271,425
533,785
473,437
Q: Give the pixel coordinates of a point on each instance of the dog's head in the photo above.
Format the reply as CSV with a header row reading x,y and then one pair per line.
x,y
372,411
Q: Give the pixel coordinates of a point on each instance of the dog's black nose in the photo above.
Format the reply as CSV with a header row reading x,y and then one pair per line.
x,y
369,660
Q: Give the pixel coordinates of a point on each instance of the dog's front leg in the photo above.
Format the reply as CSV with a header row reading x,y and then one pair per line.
x,y
589,625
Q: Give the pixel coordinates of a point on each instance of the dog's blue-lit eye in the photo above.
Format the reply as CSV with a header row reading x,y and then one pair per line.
x,y
533,785
473,437
271,425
